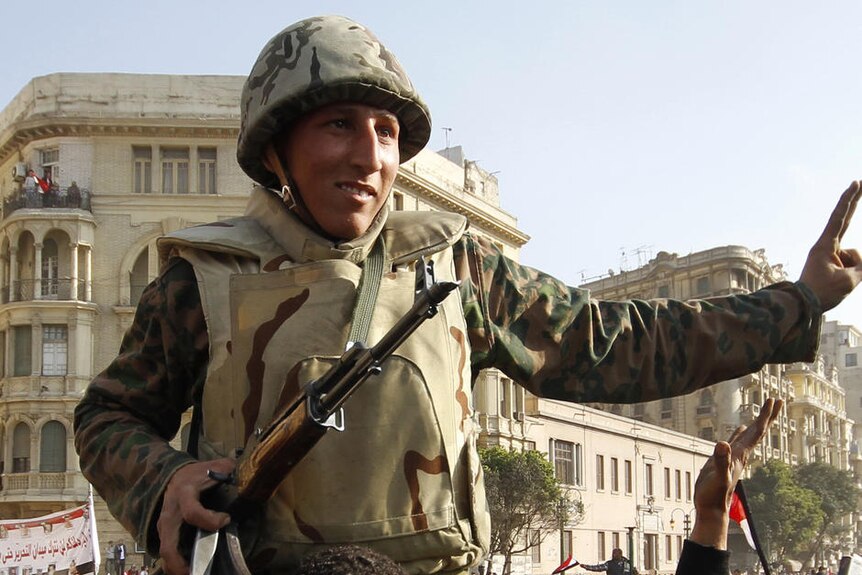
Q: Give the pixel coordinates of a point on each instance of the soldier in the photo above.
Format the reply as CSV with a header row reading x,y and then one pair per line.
x,y
251,308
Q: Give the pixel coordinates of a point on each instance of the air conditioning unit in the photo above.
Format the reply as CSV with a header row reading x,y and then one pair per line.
x,y
19,171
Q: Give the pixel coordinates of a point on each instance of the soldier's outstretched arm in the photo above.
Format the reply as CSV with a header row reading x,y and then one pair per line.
x,y
830,271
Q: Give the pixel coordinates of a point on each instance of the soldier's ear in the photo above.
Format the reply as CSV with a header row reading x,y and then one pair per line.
x,y
272,162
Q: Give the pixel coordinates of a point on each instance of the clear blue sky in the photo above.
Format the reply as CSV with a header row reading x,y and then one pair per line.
x,y
616,126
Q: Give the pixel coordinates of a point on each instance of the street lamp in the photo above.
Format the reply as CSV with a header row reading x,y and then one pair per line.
x,y
686,520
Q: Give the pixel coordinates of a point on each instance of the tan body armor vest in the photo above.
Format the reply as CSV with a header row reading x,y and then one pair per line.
x,y
404,477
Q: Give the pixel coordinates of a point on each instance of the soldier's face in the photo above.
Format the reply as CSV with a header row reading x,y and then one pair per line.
x,y
343,158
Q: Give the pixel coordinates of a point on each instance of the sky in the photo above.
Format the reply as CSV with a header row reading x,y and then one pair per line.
x,y
618,128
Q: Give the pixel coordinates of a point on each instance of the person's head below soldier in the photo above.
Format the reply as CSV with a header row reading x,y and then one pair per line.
x,y
328,115
617,554
348,560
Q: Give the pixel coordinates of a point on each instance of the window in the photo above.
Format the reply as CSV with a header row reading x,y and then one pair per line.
x,y
50,269
648,479
536,546
688,485
702,285
666,408
663,291
206,171
615,474
23,348
143,169
667,482
568,464
668,548
55,343
600,472
628,476
397,201
2,355
707,433
505,397
175,170
21,449
601,545
678,545
50,160
850,360
52,451
677,484
615,540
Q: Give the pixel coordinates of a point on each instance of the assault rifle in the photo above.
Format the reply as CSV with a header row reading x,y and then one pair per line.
x,y
274,451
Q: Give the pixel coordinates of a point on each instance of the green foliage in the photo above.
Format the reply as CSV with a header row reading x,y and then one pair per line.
x,y
525,500
786,515
839,497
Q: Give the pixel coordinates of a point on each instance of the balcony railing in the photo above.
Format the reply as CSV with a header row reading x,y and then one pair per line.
x,y
34,480
56,198
49,289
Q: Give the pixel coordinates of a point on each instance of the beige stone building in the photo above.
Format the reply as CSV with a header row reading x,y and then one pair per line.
x,y
129,158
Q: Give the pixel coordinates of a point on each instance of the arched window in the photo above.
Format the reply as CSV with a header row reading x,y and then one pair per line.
x,y
21,449
50,269
52,449
706,397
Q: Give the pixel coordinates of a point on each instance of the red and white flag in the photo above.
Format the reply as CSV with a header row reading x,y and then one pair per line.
x,y
737,513
567,564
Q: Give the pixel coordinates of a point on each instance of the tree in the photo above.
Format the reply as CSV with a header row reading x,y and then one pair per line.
x,y
787,516
525,500
839,497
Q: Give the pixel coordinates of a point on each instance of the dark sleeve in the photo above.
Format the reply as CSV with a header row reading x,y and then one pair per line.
x,y
598,567
562,344
132,409
699,560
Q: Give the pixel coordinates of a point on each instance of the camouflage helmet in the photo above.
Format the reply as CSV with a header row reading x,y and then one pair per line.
x,y
319,61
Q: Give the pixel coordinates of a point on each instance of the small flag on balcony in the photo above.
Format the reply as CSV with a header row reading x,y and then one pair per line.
x,y
44,185
565,565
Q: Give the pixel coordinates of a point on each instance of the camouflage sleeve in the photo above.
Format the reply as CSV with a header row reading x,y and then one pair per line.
x,y
131,410
561,344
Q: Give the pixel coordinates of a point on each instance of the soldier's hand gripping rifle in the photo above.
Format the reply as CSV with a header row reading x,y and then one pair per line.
x,y
299,425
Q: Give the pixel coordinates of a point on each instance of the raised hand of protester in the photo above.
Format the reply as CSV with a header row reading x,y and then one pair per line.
x,y
830,270
717,479
181,504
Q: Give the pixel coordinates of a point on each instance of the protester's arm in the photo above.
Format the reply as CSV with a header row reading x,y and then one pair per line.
x,y
830,270
598,567
131,410
707,545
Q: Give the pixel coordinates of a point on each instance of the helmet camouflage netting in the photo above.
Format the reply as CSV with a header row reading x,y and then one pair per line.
x,y
319,61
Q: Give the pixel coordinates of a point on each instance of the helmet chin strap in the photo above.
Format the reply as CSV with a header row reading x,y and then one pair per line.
x,y
289,192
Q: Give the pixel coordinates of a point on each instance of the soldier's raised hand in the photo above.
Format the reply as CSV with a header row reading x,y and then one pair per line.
x,y
831,271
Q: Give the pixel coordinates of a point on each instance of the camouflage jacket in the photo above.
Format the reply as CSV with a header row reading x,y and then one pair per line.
x,y
551,338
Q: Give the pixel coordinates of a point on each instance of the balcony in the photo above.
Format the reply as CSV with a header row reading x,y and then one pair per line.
x,y
50,289
56,199
46,484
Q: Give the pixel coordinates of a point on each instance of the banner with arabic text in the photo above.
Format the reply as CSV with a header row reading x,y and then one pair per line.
x,y
60,543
